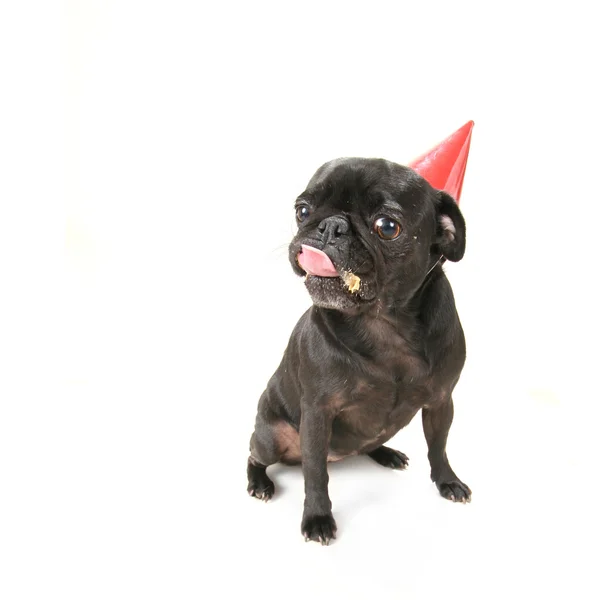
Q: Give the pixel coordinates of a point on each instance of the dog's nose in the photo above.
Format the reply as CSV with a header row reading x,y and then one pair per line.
x,y
333,227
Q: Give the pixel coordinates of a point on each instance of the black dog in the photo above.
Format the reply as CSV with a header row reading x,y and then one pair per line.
x,y
382,340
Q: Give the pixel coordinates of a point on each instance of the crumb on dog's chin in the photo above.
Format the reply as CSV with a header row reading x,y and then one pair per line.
x,y
352,281
334,293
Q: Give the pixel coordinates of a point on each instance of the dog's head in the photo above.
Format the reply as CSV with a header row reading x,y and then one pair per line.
x,y
370,230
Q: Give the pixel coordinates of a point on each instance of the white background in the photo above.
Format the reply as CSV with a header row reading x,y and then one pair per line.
x,y
150,156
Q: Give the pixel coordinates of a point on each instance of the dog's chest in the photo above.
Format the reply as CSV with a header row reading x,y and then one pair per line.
x,y
390,386
374,412
394,358
381,403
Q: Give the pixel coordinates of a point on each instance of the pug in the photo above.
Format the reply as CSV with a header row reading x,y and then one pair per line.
x,y
382,338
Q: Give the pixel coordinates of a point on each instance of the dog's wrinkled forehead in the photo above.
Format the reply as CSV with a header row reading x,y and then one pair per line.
x,y
366,184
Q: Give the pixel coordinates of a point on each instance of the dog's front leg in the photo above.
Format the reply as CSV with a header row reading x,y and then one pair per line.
x,y
315,431
437,421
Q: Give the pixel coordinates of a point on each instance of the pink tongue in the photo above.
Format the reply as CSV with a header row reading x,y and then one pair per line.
x,y
316,262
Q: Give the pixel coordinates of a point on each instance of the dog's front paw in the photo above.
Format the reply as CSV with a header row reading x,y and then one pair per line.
x,y
455,490
319,528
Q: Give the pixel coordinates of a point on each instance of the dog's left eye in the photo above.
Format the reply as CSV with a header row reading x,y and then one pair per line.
x,y
302,213
386,228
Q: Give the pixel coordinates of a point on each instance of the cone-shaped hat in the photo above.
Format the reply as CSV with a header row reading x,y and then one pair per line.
x,y
444,165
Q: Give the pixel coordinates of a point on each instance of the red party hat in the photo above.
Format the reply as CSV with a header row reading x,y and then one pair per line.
x,y
444,165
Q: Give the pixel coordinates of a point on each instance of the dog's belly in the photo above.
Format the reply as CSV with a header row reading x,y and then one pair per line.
x,y
357,429
287,440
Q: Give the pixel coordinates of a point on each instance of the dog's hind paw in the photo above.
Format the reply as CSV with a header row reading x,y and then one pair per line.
x,y
261,490
387,457
259,483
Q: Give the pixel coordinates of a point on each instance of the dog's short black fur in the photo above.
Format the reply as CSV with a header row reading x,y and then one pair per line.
x,y
359,365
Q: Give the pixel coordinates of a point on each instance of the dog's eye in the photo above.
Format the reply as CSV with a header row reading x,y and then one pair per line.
x,y
302,213
386,228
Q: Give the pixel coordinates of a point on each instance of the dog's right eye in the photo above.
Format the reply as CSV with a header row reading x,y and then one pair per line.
x,y
302,213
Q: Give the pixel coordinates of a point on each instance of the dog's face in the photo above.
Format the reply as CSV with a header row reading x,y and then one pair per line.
x,y
369,231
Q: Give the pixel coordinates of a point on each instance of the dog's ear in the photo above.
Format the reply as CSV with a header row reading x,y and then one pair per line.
x,y
450,228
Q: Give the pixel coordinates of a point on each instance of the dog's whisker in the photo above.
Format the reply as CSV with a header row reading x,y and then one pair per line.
x,y
359,265
284,247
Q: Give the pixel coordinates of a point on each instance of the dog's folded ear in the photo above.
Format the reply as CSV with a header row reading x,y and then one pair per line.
x,y
450,228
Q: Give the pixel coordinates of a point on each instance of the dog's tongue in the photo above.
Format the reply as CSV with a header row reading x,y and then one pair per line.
x,y
316,262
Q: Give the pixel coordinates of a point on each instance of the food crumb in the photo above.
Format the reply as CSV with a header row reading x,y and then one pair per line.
x,y
351,281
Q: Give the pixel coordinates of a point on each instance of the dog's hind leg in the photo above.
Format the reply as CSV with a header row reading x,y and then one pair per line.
x,y
263,453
